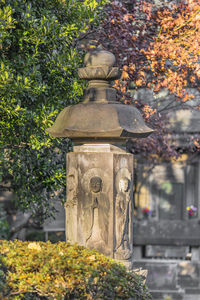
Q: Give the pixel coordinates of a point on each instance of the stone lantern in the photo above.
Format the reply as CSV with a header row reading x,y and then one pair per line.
x,y
99,204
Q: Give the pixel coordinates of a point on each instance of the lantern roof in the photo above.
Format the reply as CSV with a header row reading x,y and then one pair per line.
x,y
99,117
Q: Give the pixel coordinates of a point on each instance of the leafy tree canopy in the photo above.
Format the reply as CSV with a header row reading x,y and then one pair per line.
x,y
157,46
38,78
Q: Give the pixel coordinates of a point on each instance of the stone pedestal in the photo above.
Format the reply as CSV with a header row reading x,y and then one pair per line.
x,y
99,206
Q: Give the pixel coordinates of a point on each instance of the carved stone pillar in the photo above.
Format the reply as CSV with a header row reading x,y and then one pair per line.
x,y
99,206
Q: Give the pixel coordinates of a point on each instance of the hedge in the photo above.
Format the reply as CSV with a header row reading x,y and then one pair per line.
x,y
39,270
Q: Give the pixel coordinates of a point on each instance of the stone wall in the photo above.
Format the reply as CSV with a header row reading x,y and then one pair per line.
x,y
177,279
167,242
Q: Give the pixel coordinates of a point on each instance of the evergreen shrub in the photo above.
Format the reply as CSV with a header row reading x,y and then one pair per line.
x,y
39,270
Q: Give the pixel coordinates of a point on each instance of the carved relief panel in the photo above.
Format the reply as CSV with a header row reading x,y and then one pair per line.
x,y
95,209
71,205
123,211
99,208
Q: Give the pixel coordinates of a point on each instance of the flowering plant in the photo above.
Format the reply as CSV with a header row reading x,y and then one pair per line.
x,y
146,211
192,210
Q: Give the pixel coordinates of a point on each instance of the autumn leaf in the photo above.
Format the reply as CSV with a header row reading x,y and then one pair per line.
x,y
34,246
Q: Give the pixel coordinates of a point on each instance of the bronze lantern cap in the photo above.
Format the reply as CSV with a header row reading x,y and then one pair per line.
x,y
99,118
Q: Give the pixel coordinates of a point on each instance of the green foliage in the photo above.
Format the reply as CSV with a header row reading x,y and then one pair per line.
x,y
38,270
4,227
168,298
38,78
3,285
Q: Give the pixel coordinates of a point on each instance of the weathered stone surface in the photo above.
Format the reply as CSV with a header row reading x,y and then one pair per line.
x,y
58,222
78,123
163,98
123,207
137,252
99,205
192,296
161,275
168,295
166,251
185,120
189,274
195,252
99,148
178,279
192,293
177,232
90,120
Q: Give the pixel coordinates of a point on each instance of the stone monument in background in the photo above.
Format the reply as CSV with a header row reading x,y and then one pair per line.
x,y
99,204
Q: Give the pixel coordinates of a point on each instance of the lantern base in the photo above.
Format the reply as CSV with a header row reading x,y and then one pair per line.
x,y
99,205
